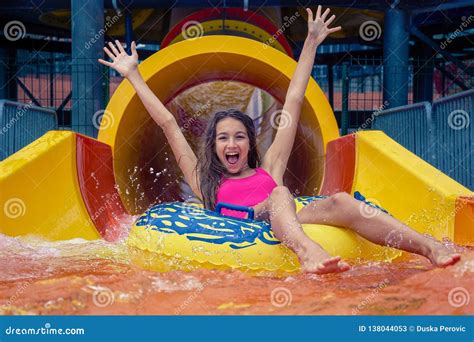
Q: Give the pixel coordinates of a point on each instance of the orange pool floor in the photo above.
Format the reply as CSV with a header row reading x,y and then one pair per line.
x,y
88,278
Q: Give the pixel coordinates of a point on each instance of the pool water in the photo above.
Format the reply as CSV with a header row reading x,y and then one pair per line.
x,y
96,277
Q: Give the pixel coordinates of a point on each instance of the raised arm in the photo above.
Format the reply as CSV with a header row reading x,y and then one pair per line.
x,y
276,158
128,67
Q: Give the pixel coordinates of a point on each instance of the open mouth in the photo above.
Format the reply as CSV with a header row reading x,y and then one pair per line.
x,y
232,158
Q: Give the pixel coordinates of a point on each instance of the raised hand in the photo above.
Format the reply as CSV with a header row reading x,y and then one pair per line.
x,y
121,61
318,29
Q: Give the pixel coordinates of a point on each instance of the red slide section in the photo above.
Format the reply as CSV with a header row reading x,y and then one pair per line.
x,y
339,167
98,188
215,13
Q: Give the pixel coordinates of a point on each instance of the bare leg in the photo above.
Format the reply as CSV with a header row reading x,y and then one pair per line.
x,y
280,210
345,211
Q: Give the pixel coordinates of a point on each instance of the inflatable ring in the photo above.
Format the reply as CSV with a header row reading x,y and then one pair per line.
x,y
179,236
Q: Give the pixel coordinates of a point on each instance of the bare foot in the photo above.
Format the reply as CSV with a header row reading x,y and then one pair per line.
x,y
442,256
316,260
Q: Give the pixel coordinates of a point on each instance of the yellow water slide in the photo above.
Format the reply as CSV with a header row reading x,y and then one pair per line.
x,y
412,190
74,186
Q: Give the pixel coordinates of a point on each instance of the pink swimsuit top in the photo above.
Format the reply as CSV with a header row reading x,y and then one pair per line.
x,y
247,191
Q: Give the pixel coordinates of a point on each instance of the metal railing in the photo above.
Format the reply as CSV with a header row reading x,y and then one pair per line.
x,y
441,134
454,136
21,124
410,126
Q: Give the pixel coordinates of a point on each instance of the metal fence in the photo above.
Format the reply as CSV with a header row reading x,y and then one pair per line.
x,y
410,126
454,136
21,124
441,134
361,78
45,79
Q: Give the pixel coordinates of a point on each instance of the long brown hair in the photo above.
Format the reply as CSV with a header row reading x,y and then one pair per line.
x,y
210,168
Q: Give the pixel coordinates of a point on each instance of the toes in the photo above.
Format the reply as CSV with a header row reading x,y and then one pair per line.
x,y
334,266
344,266
449,260
330,265
331,261
322,269
452,259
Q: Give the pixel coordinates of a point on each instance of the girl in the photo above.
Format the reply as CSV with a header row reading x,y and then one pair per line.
x,y
231,171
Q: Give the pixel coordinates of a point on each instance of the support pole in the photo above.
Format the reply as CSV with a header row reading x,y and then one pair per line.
x,y
395,58
87,44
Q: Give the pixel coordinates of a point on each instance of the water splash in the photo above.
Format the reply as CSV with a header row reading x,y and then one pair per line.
x,y
175,281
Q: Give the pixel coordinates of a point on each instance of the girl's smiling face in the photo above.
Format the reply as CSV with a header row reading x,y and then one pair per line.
x,y
232,144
